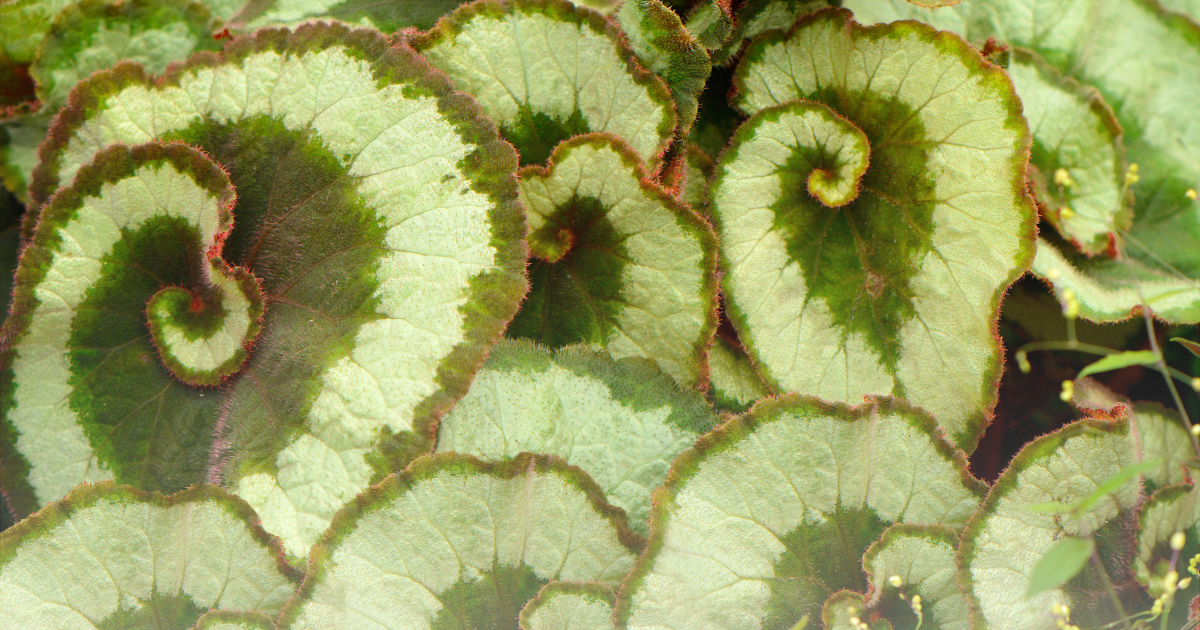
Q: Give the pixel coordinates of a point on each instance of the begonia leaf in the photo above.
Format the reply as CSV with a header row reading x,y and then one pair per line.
x,y
922,557
23,23
1171,510
735,384
587,78
19,139
1160,434
711,23
387,16
667,48
1107,290
109,556
1189,8
770,513
569,606
617,261
95,34
622,422
755,17
1077,154
1005,539
848,274
455,543
1106,44
377,209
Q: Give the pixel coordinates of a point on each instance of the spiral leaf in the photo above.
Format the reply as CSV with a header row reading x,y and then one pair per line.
x,y
894,291
377,211
618,261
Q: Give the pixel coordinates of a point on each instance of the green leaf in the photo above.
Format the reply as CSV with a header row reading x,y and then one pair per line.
x,y
1169,510
1061,563
456,543
755,17
1118,361
569,606
617,261
1192,346
111,556
892,285
1005,540
1077,161
19,139
770,513
710,23
94,35
588,79
376,207
922,556
665,46
622,422
23,24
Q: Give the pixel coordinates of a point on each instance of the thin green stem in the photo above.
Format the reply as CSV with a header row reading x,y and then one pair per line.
x,y
1162,364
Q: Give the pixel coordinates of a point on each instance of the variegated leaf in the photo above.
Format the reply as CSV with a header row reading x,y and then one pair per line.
x,y
95,34
377,209
622,422
456,543
1006,538
854,270
921,558
617,261
587,78
771,513
109,556
875,270
666,47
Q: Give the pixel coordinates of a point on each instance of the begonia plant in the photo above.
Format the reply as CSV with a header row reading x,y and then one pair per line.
x,y
591,314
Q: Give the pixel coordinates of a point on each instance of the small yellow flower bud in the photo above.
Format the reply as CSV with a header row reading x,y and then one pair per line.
x,y
1066,213
1068,391
1054,274
1184,583
1133,168
1070,304
916,604
1058,609
1170,581
1062,177
895,581
1023,362
1177,541
1196,427
1192,568
1190,194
